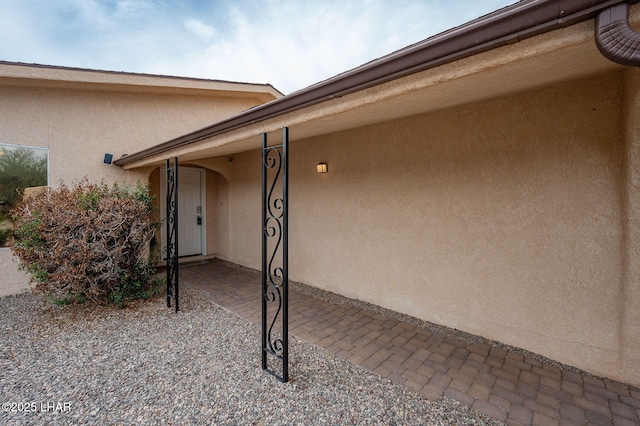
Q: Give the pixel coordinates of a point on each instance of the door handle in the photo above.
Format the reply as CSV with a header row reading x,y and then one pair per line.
x,y
199,220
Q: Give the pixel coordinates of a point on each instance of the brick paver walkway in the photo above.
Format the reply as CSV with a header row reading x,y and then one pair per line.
x,y
507,386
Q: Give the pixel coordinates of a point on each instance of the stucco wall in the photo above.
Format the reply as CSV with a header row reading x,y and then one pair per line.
x,y
222,217
245,198
80,126
630,295
217,215
501,218
12,281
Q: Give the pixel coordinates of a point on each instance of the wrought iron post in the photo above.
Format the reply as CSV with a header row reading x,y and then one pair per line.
x,y
275,254
172,233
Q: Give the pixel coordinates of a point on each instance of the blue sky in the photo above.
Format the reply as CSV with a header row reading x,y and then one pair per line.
x,y
290,44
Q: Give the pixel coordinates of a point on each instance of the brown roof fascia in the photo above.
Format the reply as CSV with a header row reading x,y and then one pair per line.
x,y
511,24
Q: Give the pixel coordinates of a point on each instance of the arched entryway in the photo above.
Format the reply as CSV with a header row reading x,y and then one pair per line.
x,y
204,213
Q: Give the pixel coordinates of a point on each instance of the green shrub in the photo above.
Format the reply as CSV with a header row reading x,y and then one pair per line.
x,y
89,242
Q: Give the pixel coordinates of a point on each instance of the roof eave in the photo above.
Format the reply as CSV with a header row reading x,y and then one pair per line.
x,y
83,78
508,25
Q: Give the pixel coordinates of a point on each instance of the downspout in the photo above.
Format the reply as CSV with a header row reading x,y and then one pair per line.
x,y
615,38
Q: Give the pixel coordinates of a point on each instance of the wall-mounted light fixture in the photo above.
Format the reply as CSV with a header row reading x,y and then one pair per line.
x,y
108,158
321,168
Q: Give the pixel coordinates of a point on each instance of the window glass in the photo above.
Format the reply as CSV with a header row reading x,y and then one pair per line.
x,y
20,167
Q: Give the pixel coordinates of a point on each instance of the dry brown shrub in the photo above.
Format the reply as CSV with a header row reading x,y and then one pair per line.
x,y
89,241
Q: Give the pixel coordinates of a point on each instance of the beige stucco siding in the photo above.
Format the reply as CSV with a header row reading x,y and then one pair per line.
x,y
79,126
221,208
501,218
245,198
630,295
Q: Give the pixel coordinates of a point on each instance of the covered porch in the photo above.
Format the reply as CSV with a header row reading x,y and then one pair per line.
x,y
494,191
506,383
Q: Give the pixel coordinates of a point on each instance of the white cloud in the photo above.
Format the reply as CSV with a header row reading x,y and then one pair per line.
x,y
295,44
201,30
85,14
133,7
290,44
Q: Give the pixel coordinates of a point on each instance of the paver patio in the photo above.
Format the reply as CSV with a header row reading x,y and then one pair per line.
x,y
503,384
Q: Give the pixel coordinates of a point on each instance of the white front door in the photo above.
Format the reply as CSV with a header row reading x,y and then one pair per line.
x,y
190,214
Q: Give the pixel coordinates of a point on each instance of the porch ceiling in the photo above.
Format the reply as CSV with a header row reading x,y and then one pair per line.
x,y
560,55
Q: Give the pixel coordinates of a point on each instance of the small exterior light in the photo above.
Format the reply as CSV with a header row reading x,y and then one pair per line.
x,y
321,168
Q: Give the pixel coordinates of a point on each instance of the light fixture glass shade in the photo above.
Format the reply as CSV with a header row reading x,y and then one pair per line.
x,y
321,168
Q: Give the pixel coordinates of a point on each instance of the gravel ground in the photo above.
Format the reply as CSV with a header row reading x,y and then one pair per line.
x,y
146,365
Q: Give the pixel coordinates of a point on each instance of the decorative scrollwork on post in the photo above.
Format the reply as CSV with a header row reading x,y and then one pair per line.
x,y
275,285
172,233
